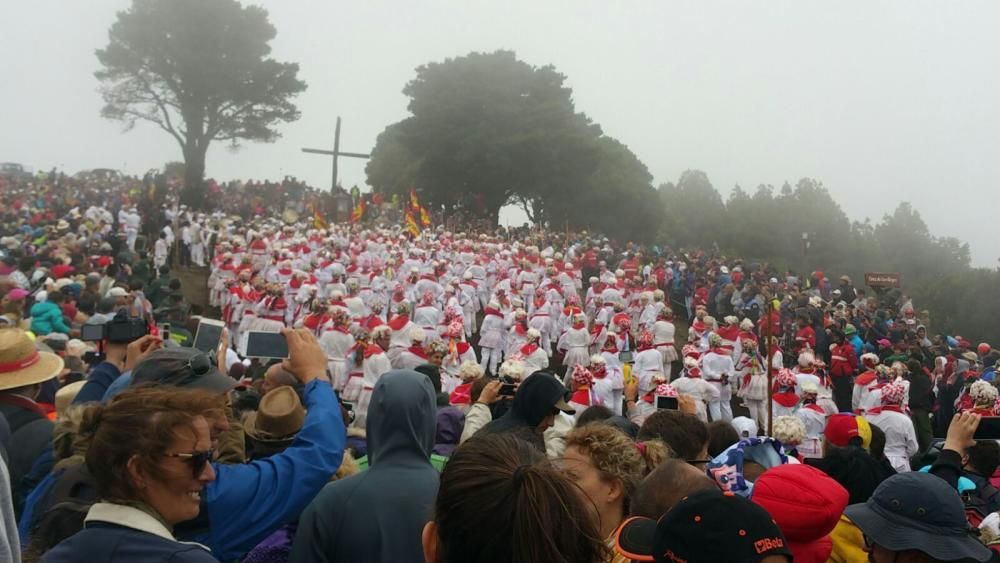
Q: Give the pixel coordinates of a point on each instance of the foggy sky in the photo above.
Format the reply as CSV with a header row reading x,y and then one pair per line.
x,y
882,101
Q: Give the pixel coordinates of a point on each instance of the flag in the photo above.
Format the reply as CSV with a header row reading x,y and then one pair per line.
x,y
319,222
411,223
359,211
419,211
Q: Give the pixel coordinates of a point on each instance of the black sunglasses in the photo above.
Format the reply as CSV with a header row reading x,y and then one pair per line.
x,y
197,460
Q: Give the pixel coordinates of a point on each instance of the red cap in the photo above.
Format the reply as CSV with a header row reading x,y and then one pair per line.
x,y
840,428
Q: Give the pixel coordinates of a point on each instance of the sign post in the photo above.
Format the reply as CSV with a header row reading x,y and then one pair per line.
x,y
883,279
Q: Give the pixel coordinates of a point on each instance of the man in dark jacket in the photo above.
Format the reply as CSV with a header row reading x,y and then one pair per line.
x,y
538,400
921,402
378,515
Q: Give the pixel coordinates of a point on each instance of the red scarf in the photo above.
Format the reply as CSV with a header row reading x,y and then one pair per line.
x,y
864,378
581,396
579,325
885,408
528,349
491,311
418,351
787,399
398,322
599,373
462,395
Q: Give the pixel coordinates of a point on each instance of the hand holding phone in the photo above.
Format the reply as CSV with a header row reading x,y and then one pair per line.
x,y
306,360
270,345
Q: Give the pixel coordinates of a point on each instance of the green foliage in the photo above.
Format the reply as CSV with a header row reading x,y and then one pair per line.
x,y
769,226
488,129
200,70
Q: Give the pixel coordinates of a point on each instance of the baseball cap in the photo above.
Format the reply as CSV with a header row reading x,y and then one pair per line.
x,y
182,367
745,427
117,292
17,293
918,511
708,526
543,387
840,428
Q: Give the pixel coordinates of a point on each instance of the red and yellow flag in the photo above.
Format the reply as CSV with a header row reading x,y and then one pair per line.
x,y
359,211
419,211
411,223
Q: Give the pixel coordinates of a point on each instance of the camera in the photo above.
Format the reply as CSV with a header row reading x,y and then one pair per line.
x,y
122,329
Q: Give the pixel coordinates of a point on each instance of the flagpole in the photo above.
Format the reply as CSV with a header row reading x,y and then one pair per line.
x,y
770,375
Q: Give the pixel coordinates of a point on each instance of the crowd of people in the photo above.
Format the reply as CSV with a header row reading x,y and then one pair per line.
x,y
464,395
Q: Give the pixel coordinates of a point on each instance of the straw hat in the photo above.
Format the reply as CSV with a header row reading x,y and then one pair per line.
x,y
21,363
278,419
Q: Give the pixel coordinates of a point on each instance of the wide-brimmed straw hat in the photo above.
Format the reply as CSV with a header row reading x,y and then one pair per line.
x,y
21,363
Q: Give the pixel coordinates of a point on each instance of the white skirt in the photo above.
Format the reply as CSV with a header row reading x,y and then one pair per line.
x,y
352,388
669,353
756,390
491,339
576,356
338,373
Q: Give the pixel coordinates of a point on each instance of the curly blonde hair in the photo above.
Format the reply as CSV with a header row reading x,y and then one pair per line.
x,y
616,456
789,430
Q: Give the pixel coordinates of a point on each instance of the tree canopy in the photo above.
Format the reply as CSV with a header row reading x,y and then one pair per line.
x,y
488,130
200,70
768,226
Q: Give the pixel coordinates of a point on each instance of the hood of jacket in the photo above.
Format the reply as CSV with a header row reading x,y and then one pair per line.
x,y
450,422
401,418
45,308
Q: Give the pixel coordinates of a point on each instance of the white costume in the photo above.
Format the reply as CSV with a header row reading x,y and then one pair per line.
x,y
900,437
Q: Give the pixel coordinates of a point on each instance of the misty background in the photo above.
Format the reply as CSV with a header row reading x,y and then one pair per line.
x,y
881,101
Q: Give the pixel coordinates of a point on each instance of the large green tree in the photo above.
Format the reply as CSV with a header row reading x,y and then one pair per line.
x,y
488,130
201,71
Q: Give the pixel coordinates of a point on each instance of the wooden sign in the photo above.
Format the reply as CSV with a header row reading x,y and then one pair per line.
x,y
883,279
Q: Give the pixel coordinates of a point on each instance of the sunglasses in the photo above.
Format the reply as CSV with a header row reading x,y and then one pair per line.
x,y
197,460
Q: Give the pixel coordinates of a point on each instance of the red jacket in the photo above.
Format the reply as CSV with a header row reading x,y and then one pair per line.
x,y
803,336
806,504
843,360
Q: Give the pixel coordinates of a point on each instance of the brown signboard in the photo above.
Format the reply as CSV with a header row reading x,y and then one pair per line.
x,y
883,279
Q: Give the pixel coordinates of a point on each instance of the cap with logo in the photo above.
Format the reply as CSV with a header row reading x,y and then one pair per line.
x,y
705,527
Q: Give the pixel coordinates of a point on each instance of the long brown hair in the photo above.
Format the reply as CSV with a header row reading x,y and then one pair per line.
x,y
500,500
143,421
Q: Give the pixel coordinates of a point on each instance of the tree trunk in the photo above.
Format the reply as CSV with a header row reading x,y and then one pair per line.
x,y
193,194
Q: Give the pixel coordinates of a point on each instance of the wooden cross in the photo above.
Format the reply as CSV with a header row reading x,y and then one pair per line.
x,y
336,153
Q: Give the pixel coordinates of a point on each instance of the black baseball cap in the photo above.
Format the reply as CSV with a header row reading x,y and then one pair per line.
x,y
918,511
182,367
708,526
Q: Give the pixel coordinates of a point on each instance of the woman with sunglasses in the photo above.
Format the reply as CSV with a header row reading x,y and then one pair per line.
x,y
150,457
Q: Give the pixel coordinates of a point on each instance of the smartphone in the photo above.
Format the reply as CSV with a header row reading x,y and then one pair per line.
x,y
208,335
666,403
92,332
506,390
271,345
165,331
988,429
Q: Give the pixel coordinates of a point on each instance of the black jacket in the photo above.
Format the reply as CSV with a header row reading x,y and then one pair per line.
x,y
534,401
